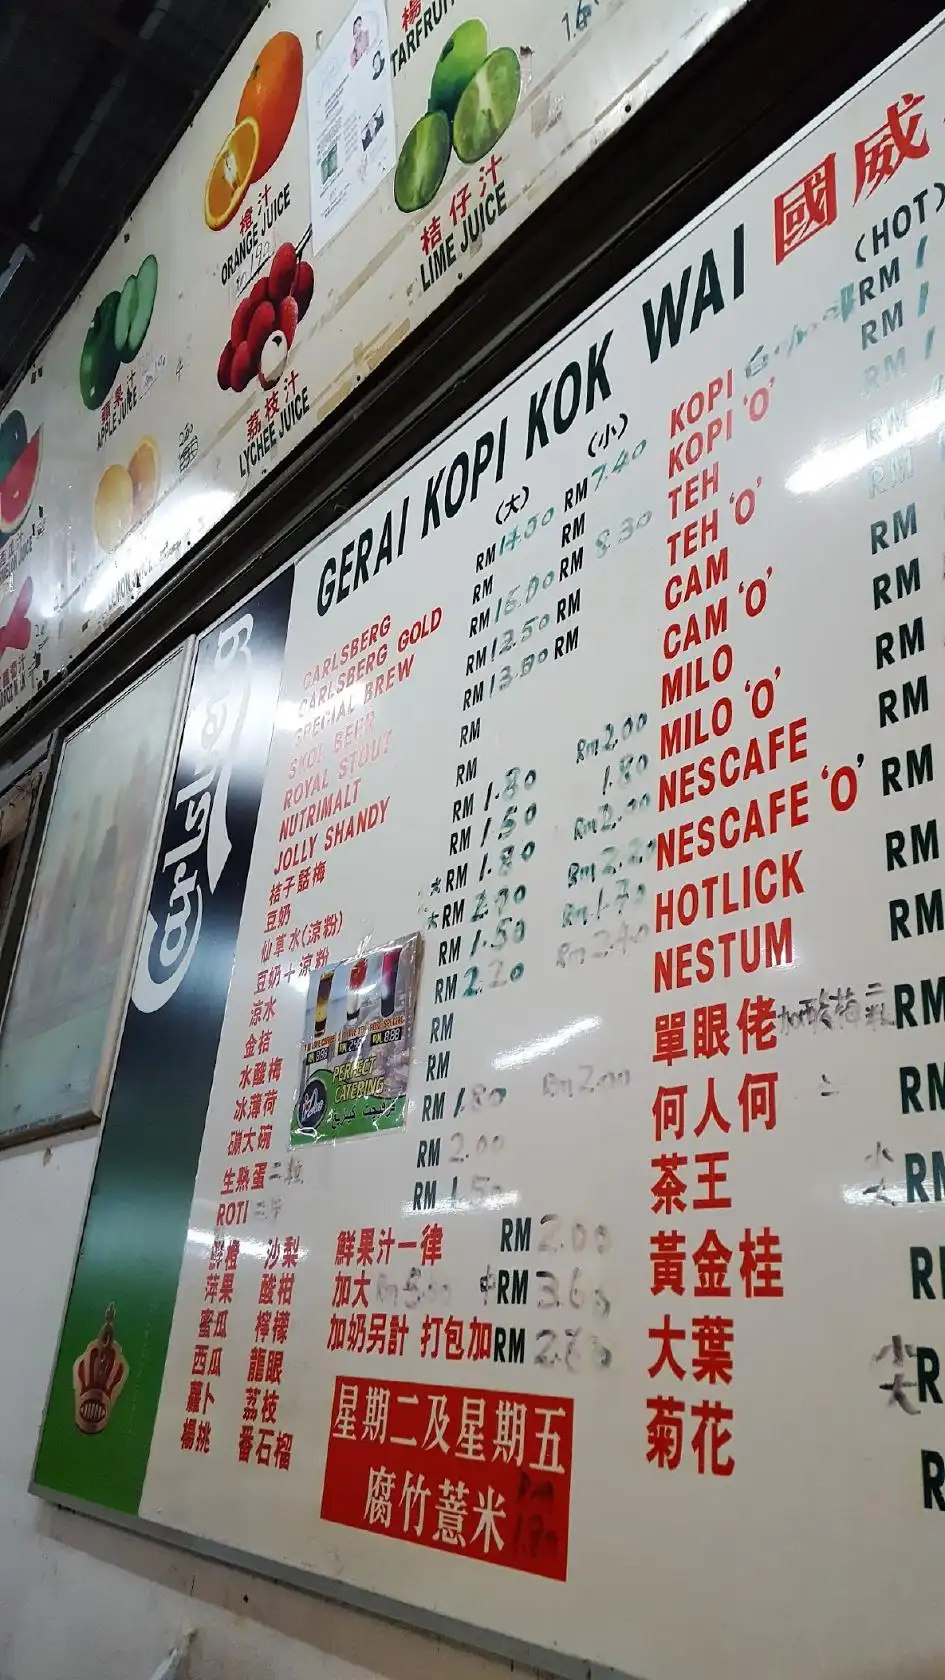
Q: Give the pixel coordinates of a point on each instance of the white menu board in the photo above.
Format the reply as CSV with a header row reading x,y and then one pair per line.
x,y
627,697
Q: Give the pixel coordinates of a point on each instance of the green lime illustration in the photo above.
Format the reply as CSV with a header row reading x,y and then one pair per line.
x,y
421,166
488,105
464,54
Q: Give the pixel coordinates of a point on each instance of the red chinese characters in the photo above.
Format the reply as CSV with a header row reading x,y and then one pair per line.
x,y
806,208
467,1471
715,1093
810,205
260,1440
207,1361
900,137
463,207
355,1328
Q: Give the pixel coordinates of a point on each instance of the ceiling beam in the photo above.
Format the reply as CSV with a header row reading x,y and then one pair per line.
x,y
14,226
147,55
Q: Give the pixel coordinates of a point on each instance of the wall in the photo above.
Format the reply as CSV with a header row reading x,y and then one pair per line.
x,y
81,1599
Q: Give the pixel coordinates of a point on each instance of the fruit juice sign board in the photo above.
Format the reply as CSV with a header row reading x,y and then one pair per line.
x,y
294,227
247,295
111,377
351,120
24,553
627,696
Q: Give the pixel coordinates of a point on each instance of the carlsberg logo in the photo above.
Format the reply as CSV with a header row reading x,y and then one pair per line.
x,y
193,863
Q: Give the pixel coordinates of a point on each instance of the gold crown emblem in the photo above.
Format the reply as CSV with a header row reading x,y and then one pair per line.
x,y
98,1377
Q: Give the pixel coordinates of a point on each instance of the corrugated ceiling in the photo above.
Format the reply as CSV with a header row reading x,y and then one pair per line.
x,y
94,94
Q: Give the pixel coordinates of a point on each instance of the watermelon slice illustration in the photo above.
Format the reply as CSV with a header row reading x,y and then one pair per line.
x,y
16,632
19,480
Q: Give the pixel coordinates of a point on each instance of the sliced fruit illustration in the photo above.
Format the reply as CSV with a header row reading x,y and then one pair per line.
x,y
16,632
144,470
465,52
271,97
100,359
12,440
126,308
19,479
422,163
114,513
487,105
272,360
117,332
135,308
229,178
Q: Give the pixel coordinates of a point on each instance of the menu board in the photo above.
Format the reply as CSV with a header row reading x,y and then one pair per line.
x,y
351,167
624,698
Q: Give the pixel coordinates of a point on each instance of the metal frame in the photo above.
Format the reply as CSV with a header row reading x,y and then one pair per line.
x,y
414,1617
44,757
91,1115
766,75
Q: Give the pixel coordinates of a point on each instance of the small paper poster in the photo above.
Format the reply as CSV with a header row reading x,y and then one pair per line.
x,y
350,120
355,1057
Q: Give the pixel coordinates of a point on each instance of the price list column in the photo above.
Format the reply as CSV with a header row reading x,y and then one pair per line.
x,y
439,1448
718,927
894,320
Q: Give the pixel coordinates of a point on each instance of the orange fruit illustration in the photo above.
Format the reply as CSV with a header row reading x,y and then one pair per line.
x,y
271,96
144,470
232,172
114,508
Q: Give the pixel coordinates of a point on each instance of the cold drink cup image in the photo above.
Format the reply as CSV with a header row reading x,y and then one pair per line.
x,y
321,1003
390,962
356,980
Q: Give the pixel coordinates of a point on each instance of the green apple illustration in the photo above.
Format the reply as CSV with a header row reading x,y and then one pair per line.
x,y
135,308
117,332
421,166
487,105
464,53
100,360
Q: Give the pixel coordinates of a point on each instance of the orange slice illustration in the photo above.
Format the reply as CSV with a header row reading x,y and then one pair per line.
x,y
232,172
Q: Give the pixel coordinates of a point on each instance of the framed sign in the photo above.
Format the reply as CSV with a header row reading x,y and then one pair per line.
x,y
69,984
22,785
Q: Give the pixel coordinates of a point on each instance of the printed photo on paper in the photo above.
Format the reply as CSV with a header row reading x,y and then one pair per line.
x,y
355,1056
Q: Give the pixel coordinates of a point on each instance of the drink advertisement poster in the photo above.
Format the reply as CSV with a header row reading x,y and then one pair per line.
x,y
356,1054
